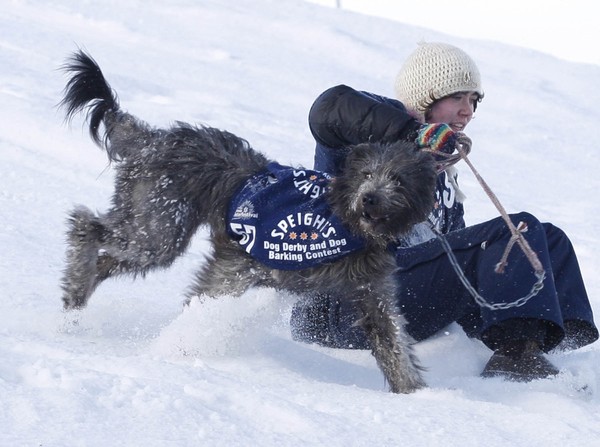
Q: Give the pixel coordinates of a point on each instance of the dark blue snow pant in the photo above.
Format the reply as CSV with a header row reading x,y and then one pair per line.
x,y
431,295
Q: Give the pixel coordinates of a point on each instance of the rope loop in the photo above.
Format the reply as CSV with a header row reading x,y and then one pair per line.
x,y
463,148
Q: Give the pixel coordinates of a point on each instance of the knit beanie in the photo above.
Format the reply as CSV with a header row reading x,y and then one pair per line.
x,y
433,71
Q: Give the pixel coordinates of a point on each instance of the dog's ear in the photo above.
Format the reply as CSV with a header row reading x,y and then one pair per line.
x,y
358,153
407,147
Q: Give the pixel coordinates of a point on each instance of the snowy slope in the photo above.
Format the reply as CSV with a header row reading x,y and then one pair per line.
x,y
136,370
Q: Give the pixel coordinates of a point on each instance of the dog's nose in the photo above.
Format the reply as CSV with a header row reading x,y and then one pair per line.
x,y
373,208
370,199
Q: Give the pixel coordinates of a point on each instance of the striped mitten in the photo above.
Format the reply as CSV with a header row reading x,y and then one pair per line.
x,y
438,137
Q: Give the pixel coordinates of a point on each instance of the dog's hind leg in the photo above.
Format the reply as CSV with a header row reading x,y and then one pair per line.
x,y
85,268
390,344
100,248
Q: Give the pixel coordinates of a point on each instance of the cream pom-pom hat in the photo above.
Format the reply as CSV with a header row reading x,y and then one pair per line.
x,y
433,71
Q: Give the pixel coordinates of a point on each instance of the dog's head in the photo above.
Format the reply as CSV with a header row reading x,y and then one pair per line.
x,y
384,189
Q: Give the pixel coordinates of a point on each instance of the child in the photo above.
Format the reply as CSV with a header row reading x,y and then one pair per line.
x,y
438,90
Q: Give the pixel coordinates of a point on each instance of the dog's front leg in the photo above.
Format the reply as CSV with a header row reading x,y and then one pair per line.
x,y
390,344
229,271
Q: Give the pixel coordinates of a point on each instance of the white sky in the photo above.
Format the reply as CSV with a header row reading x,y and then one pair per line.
x,y
566,29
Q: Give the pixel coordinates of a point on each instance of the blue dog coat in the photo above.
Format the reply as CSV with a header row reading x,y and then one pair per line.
x,y
282,219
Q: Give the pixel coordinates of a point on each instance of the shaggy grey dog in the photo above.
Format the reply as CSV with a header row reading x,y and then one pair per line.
x,y
169,182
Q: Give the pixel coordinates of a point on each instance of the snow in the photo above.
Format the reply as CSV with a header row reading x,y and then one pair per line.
x,y
133,369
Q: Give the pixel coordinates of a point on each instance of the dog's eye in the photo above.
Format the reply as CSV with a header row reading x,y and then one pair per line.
x,y
367,174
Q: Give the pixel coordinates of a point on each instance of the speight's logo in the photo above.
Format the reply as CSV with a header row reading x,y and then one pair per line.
x,y
305,227
318,225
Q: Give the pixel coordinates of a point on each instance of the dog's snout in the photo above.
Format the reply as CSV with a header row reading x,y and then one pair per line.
x,y
370,199
373,207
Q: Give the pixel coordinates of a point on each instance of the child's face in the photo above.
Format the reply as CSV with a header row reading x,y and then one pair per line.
x,y
455,110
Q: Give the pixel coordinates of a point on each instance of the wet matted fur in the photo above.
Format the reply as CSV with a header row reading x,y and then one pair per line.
x,y
169,182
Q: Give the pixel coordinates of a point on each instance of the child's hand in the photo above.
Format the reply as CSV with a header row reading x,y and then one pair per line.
x,y
437,137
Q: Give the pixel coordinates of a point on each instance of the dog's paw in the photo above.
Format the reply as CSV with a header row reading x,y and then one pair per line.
x,y
71,322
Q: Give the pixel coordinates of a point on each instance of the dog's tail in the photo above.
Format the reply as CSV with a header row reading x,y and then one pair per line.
x,y
87,89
